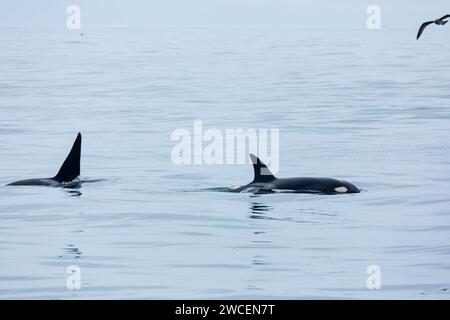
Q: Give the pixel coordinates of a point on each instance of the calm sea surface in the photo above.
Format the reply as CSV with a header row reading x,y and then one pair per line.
x,y
371,107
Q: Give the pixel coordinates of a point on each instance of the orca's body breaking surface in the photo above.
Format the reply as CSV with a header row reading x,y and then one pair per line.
x,y
48,182
265,181
68,172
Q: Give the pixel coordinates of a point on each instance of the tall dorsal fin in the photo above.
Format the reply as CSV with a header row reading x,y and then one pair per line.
x,y
71,166
262,173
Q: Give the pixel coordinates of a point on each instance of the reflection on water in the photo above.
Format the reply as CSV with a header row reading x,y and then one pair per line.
x,y
74,193
74,251
259,210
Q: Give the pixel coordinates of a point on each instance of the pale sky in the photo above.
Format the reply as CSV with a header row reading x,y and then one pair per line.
x,y
219,13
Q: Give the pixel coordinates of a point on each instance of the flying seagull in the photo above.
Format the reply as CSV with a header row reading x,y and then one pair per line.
x,y
439,22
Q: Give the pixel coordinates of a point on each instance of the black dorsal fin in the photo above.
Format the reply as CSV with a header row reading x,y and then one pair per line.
x,y
71,166
262,173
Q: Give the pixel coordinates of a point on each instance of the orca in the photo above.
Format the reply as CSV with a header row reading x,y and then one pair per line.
x,y
66,177
264,181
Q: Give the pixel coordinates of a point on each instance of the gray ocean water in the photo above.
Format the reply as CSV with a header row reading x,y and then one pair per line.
x,y
371,107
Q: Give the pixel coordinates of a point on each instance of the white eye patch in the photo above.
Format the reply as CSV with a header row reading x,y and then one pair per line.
x,y
340,189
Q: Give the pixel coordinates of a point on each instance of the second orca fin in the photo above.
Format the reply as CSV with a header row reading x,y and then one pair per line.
x,y
262,173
